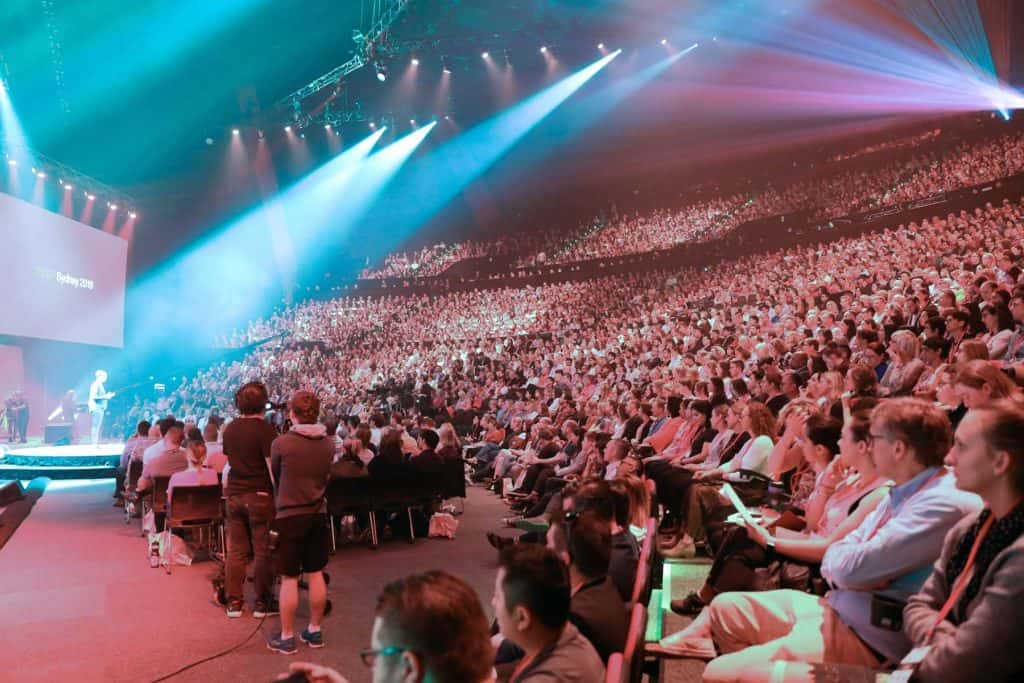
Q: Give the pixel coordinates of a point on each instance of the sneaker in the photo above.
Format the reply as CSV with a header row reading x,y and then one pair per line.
x,y
265,609
314,640
285,646
234,610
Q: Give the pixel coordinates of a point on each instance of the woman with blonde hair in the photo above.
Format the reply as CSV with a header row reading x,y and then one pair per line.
x,y
905,367
448,446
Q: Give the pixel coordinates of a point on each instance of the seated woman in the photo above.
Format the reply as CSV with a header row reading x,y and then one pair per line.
x,y
197,473
390,463
847,489
979,382
905,367
348,463
703,494
946,395
672,482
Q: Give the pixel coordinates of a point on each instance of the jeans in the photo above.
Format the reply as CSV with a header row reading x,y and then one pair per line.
x,y
485,460
249,519
97,424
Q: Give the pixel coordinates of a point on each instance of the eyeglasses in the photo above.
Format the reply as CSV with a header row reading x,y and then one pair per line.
x,y
369,656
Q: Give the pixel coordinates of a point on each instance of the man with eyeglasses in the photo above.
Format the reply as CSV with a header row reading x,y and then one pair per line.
x,y
872,572
428,627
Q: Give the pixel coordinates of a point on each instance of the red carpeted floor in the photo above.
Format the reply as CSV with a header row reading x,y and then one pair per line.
x,y
78,600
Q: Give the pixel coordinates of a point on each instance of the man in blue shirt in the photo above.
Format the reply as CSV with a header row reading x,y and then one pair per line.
x,y
883,561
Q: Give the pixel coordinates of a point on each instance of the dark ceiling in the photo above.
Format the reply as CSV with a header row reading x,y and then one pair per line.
x,y
127,92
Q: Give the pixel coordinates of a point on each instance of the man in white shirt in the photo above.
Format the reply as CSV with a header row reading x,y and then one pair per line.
x,y
164,444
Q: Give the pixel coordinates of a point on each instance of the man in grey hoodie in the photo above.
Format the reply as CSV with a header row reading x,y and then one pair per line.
x,y
301,460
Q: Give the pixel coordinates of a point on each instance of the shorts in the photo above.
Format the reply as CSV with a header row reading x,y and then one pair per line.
x,y
303,544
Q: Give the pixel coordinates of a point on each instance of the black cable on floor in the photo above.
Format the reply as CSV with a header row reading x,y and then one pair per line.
x,y
228,651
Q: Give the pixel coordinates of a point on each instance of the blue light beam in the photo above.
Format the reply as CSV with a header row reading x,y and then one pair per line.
x,y
427,185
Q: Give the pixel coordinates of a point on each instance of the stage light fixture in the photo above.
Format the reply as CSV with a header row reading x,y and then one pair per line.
x,y
40,174
68,186
327,126
664,41
382,71
412,121
235,131
92,197
415,62
132,215
12,162
209,141
600,46
485,55
113,207
543,48
287,129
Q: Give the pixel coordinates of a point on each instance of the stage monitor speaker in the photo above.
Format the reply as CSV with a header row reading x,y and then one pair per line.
x,y
58,433
11,493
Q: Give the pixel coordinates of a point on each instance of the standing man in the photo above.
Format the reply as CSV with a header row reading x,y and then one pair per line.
x,y
98,398
301,462
250,507
17,415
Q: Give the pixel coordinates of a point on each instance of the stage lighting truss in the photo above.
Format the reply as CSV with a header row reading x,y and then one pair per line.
x,y
47,170
370,46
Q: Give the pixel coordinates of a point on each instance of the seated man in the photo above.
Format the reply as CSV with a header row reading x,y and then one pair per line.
x,y
531,604
960,620
427,627
137,443
215,457
596,608
426,460
170,461
971,615
872,570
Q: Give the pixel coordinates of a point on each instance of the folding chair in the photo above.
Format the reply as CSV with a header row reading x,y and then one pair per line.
x,y
350,496
617,671
395,497
194,507
130,482
645,566
153,499
633,653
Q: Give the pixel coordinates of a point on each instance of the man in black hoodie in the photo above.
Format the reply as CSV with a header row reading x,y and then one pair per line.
x,y
301,462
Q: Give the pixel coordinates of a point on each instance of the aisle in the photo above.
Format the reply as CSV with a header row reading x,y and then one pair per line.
x,y
80,602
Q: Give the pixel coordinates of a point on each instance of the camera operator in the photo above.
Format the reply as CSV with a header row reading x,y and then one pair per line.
x,y
301,462
250,507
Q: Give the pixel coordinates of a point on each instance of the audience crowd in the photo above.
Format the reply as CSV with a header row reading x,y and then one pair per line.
x,y
832,191
861,397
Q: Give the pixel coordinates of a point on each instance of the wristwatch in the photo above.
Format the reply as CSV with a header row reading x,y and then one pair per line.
x,y
770,543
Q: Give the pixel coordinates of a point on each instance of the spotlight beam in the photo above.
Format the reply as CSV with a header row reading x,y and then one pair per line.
x,y
418,194
238,257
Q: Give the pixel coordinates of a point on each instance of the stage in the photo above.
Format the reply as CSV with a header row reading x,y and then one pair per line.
x,y
78,461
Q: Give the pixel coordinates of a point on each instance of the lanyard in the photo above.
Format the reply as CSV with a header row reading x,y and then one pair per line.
x,y
884,519
961,583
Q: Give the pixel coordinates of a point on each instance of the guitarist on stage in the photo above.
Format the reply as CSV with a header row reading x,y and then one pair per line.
x,y
98,397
